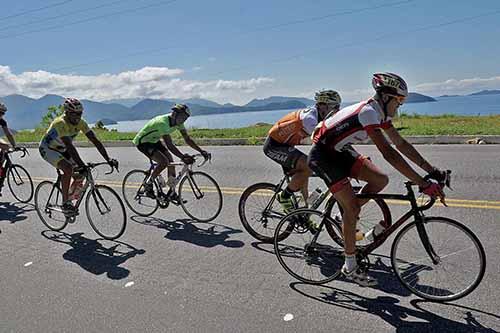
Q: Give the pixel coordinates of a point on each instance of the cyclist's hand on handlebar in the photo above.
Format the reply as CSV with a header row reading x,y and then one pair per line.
x,y
206,155
438,175
113,163
188,159
434,190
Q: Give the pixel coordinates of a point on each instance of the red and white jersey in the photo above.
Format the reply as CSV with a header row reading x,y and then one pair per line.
x,y
351,125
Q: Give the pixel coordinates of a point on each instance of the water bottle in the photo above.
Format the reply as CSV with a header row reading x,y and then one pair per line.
x,y
359,234
161,181
375,231
311,200
76,188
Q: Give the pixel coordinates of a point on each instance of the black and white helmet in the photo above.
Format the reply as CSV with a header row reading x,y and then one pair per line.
x,y
389,83
181,108
328,97
72,105
3,107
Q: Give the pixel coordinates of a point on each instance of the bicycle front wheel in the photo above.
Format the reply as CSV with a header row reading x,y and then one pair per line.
x,y
260,212
133,193
106,212
460,265
20,183
308,254
48,205
200,196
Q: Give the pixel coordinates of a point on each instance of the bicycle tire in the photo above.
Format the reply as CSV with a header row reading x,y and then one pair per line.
x,y
259,216
203,189
14,176
438,240
41,207
105,206
144,206
321,256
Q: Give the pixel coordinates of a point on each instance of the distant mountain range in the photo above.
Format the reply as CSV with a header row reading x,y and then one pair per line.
x,y
26,112
479,93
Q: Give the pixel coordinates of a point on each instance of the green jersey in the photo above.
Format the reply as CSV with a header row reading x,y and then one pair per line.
x,y
155,129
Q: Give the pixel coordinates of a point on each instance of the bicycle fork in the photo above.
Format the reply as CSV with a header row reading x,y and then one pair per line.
x,y
420,222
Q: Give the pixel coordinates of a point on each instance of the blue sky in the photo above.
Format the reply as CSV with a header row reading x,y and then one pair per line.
x,y
233,51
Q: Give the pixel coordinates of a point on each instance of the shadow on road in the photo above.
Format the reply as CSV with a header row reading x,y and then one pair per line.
x,y
378,269
98,256
197,233
403,319
14,212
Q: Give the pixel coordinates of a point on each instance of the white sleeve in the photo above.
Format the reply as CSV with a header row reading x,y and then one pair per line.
x,y
309,122
369,118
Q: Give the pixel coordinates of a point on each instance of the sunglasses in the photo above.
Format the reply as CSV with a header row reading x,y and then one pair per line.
x,y
400,99
75,114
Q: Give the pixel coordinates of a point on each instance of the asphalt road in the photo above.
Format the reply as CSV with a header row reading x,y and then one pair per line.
x,y
168,274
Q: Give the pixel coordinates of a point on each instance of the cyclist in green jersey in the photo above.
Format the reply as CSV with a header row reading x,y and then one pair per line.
x,y
149,142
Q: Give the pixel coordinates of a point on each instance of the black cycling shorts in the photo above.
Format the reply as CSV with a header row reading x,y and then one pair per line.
x,y
283,154
335,167
148,148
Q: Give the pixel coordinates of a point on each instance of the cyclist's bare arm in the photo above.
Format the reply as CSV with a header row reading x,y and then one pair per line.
x,y
71,150
98,144
171,147
407,149
392,156
9,136
190,142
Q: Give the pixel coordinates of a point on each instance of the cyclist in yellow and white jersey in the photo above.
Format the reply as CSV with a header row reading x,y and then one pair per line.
x,y
57,148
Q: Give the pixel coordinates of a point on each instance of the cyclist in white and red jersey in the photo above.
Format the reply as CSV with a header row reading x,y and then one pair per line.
x,y
335,161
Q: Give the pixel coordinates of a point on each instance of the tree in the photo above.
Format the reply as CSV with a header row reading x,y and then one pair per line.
x,y
52,113
100,126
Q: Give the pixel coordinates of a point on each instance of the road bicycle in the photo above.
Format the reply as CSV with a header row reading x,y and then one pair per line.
x,y
18,178
260,211
436,258
196,192
104,207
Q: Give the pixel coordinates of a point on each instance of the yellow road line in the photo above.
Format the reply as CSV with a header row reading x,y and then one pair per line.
x,y
460,203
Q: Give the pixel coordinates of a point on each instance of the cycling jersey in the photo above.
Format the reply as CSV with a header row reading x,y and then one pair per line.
x,y
351,125
3,123
61,128
155,129
295,126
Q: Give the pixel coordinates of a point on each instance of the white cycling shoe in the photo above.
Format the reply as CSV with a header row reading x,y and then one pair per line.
x,y
359,277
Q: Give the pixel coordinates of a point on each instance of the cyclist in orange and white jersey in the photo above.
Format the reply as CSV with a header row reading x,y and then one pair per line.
x,y
292,130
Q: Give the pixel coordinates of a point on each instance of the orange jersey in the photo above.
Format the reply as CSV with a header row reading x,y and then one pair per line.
x,y
289,129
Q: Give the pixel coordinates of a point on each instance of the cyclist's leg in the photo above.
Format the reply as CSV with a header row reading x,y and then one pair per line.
x,y
67,168
364,169
300,179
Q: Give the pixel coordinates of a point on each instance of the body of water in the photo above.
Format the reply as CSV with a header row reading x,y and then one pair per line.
x,y
461,105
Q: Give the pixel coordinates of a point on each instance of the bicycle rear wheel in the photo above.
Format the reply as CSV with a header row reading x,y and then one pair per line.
x,y
256,217
106,212
461,260
48,203
310,256
133,193
20,183
200,196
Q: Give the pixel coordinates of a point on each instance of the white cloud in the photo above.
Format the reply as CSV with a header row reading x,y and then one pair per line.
x,y
454,86
197,68
147,82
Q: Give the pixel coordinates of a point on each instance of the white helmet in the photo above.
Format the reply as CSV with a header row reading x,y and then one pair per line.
x,y
72,105
389,83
